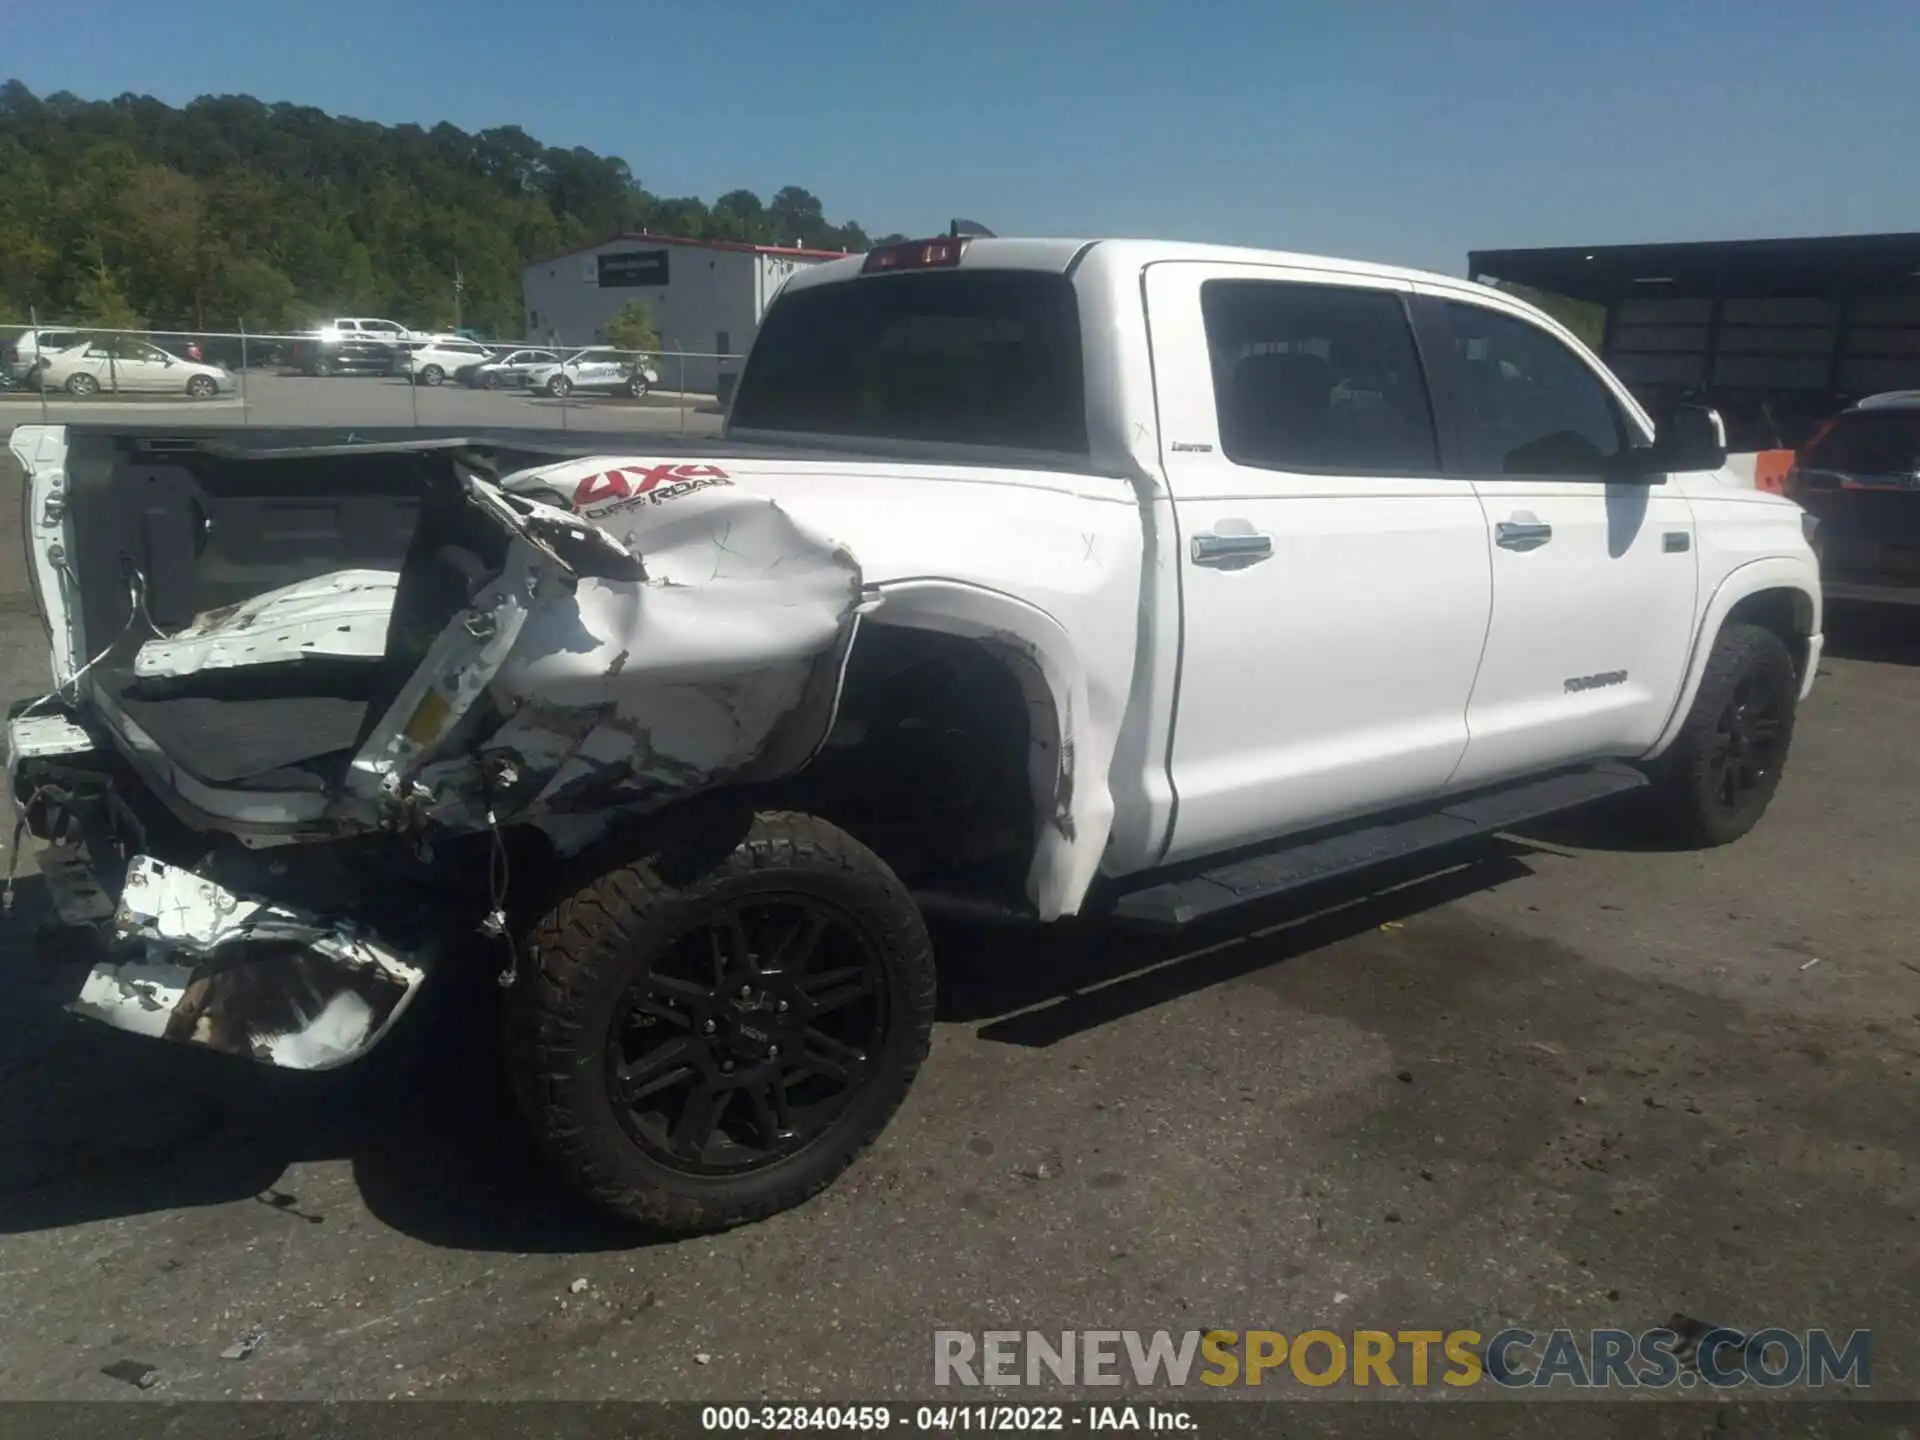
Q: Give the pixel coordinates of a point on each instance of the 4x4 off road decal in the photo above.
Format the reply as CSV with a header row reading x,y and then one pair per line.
x,y
633,485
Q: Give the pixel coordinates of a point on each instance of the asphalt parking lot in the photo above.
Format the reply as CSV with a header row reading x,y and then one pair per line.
x,y
272,399
1570,1080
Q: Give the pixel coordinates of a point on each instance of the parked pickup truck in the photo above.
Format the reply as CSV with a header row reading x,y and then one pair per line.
x,y
1120,579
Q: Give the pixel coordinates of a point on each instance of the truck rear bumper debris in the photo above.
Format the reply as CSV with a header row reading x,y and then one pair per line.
x,y
244,976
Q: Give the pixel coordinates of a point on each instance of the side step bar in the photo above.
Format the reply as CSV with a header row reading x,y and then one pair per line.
x,y
1297,862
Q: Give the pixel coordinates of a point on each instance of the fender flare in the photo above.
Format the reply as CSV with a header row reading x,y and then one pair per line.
x,y
1073,804
1775,572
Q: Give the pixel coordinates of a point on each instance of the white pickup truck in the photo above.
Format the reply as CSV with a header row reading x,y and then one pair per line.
x,y
1119,579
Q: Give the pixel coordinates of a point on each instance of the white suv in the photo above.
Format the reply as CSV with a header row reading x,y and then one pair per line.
x,y
432,360
33,346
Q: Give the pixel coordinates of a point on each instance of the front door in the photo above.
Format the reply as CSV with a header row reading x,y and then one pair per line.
x,y
1593,575
1335,586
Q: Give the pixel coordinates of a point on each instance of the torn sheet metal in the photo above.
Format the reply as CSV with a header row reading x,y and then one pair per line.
x,y
44,737
633,692
341,616
245,976
459,666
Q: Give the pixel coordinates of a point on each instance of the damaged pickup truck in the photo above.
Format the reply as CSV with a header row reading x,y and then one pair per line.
x,y
1115,579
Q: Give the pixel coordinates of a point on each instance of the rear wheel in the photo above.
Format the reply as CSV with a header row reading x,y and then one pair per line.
x,y
1721,774
432,375
82,384
637,387
699,1053
559,387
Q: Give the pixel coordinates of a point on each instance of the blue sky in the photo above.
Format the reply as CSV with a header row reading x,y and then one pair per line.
x,y
1405,132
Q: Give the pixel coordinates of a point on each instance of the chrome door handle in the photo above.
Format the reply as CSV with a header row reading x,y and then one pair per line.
x,y
1226,549
1522,534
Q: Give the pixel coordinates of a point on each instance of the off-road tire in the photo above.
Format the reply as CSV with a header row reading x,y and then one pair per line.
x,y
583,956
1689,793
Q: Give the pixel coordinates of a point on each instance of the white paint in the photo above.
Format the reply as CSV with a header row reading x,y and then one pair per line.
x,y
339,1033
340,616
1388,650
137,995
184,919
35,737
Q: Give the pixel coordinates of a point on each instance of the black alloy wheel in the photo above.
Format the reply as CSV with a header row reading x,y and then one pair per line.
x,y
749,1035
1745,755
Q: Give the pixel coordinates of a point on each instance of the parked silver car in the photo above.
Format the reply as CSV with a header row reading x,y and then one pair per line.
x,y
123,364
509,371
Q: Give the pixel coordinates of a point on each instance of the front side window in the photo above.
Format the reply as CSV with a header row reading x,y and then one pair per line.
x,y
1529,405
1316,378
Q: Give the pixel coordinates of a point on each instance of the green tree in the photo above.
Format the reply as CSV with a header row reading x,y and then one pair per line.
x,y
228,207
632,328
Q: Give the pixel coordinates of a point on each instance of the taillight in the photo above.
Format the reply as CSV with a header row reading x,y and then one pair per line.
x,y
916,255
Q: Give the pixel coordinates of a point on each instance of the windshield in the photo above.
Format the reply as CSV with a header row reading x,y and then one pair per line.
x,y
981,357
1870,442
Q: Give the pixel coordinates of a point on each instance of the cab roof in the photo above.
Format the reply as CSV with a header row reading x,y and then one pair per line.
x,y
1062,256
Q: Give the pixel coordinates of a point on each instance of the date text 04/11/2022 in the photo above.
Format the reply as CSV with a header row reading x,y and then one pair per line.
x,y
943,1419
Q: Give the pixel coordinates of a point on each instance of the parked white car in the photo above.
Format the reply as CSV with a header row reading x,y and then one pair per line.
x,y
1130,580
605,372
432,360
125,365
32,346
510,371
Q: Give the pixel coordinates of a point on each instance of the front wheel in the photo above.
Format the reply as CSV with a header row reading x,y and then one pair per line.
x,y
82,385
201,387
432,375
559,387
1721,774
699,1053
492,380
637,387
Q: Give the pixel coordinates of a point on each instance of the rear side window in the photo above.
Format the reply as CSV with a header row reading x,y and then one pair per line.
x,y
1870,442
1529,405
1316,378
972,357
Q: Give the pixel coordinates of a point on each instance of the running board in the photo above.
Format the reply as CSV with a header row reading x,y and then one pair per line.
x,y
1296,863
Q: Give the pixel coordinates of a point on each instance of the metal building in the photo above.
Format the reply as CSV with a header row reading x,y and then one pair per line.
x,y
1779,334
706,298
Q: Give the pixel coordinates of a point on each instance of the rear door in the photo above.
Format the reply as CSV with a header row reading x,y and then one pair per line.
x,y
1593,579
1335,586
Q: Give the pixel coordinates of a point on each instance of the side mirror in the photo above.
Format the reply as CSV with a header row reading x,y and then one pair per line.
x,y
1686,437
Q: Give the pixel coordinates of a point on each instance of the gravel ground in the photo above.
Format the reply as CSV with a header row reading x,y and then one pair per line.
x,y
1571,1080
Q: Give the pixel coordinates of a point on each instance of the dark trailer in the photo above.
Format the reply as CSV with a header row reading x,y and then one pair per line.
x,y
1778,335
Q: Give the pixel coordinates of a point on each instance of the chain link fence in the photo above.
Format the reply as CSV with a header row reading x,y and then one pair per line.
x,y
57,371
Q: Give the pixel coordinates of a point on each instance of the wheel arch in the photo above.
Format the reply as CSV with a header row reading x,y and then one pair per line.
x,y
1068,804
1776,594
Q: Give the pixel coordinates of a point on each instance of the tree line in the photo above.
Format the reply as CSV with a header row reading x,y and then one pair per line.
x,y
130,212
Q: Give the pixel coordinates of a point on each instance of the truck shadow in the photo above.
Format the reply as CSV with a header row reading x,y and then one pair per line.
x,y
100,1125
1039,985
